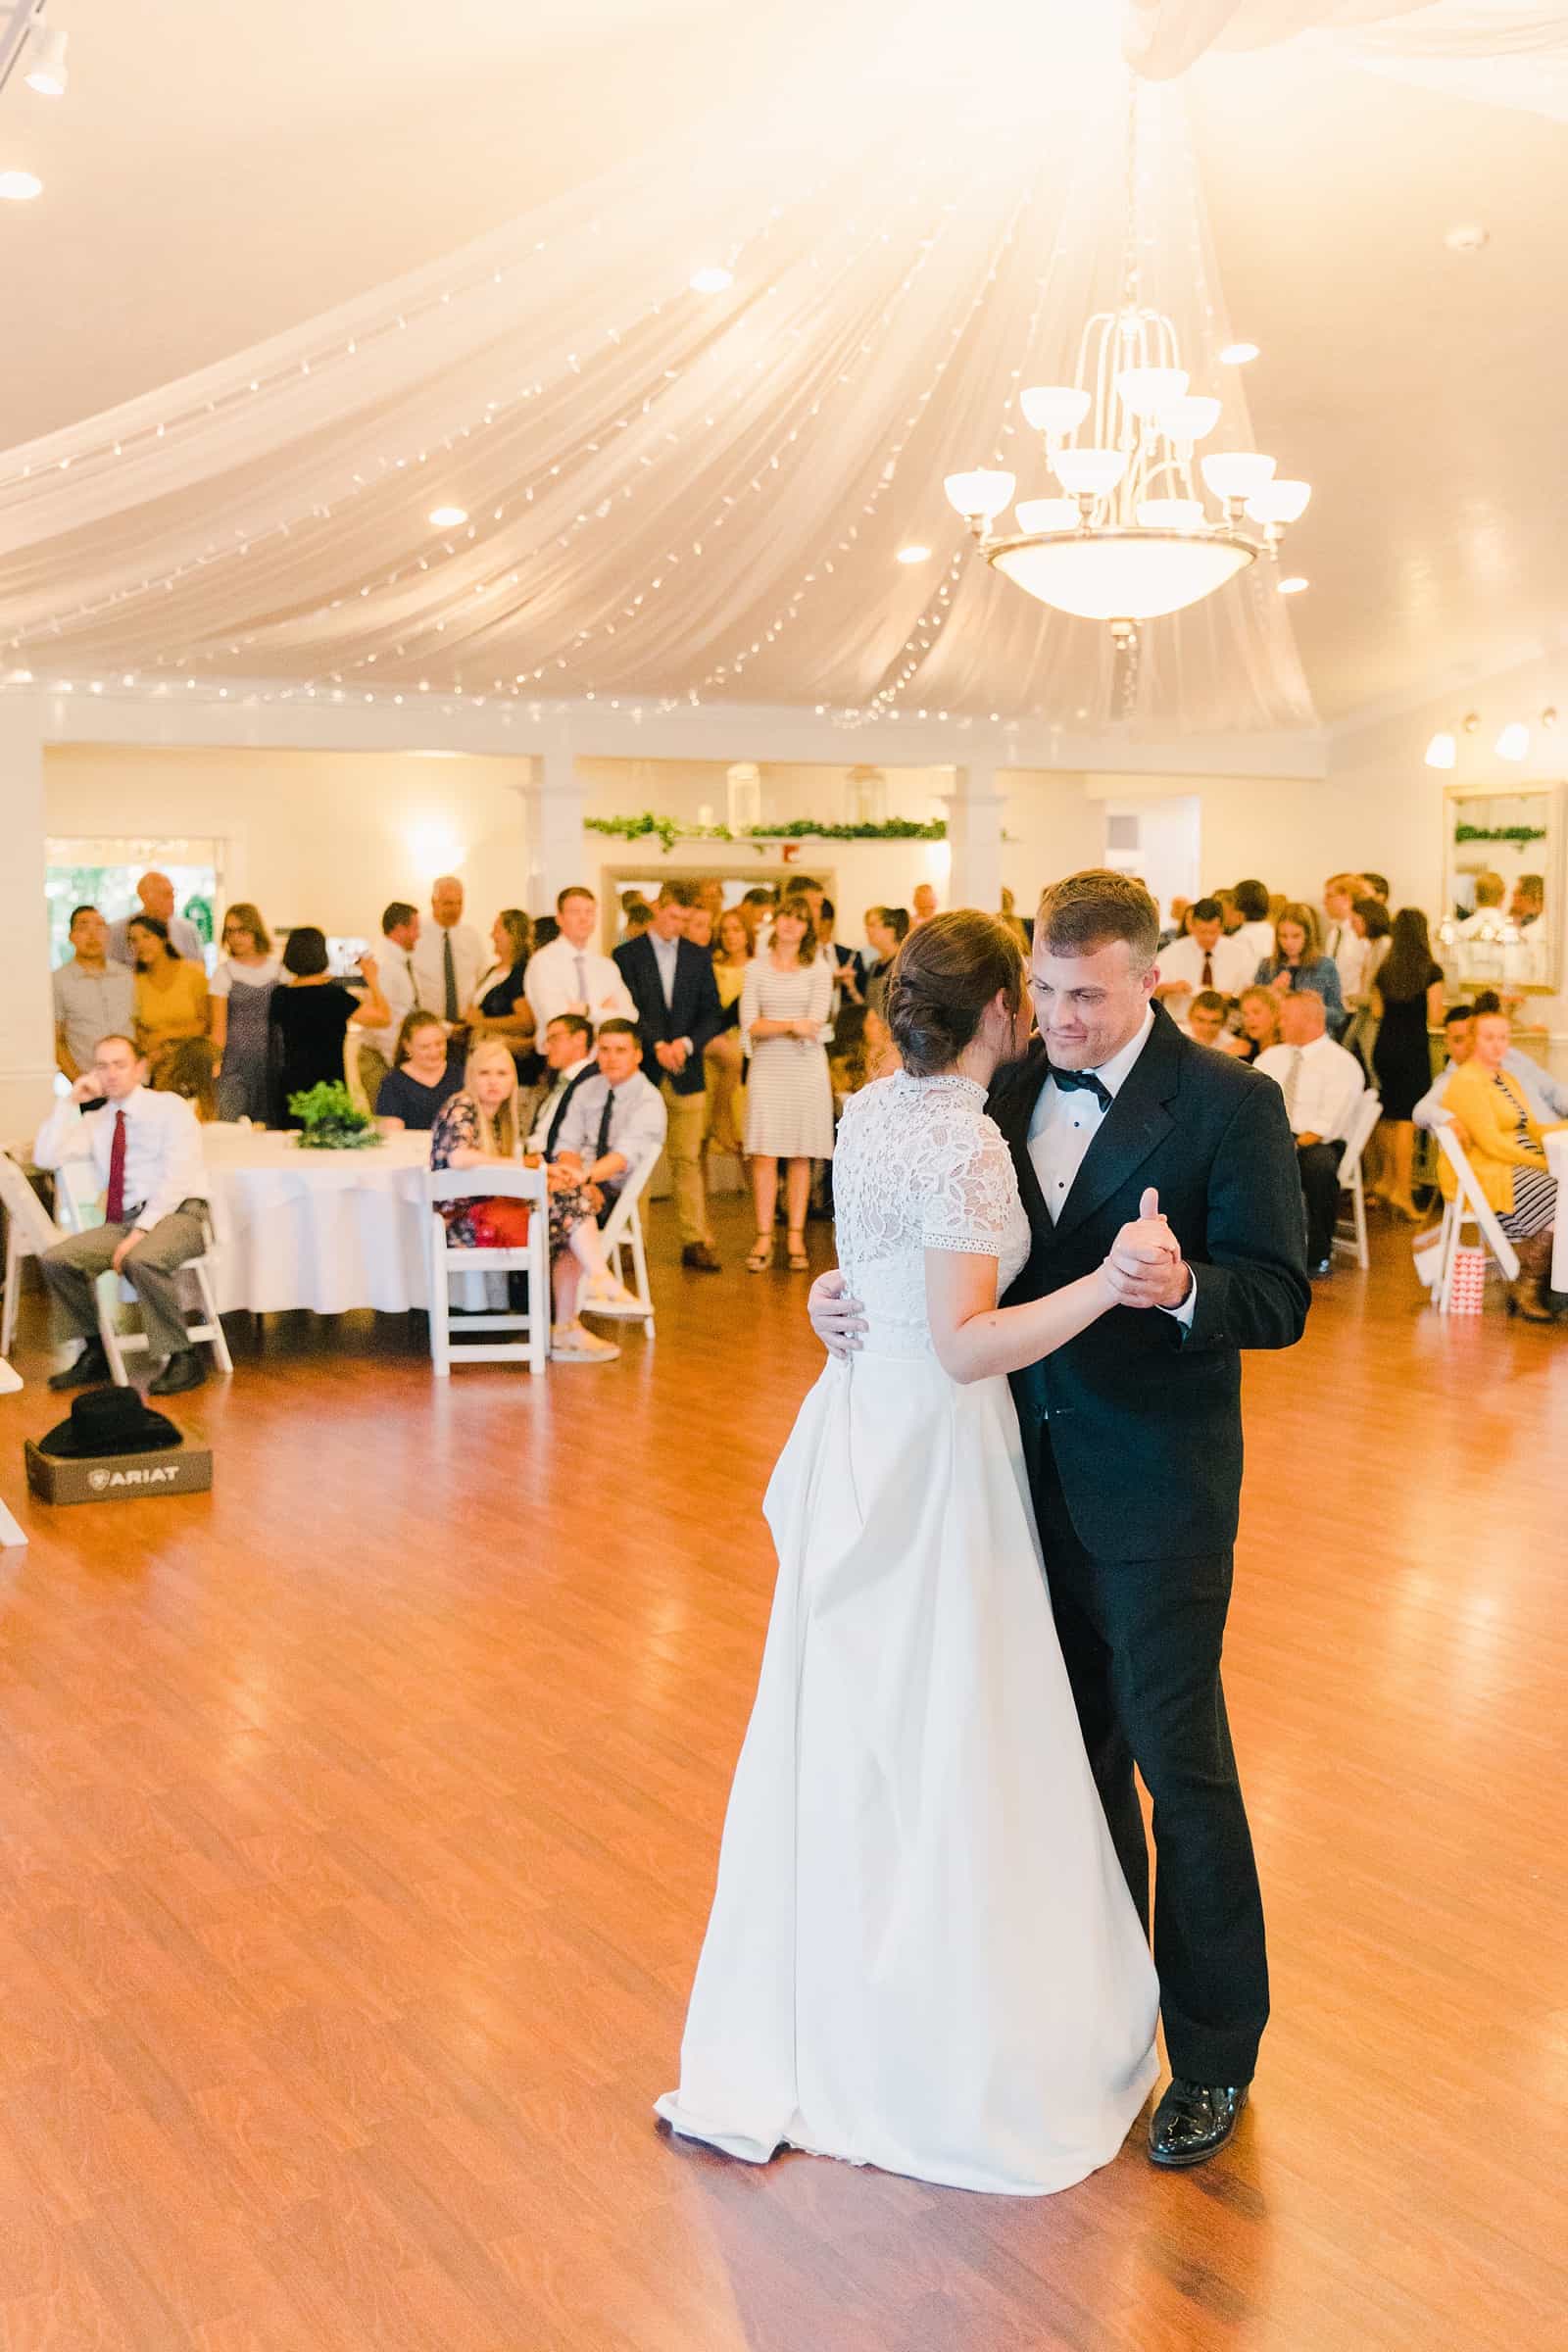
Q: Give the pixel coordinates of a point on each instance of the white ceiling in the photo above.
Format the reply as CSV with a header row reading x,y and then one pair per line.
x,y
216,176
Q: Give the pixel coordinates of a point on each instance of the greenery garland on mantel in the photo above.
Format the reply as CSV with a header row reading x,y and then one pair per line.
x,y
667,830
1518,833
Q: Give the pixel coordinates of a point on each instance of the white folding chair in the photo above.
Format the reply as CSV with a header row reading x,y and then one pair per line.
x,y
29,1231
623,1237
1469,1207
1350,1231
11,1530
448,1259
77,1195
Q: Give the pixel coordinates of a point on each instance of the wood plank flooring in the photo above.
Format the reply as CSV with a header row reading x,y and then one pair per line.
x,y
358,1823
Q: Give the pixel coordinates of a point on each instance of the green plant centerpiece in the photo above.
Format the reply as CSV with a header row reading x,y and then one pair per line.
x,y
329,1122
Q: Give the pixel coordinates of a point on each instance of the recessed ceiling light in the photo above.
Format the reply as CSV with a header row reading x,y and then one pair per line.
x,y
18,186
913,555
713,280
1294,585
1237,355
1468,237
447,518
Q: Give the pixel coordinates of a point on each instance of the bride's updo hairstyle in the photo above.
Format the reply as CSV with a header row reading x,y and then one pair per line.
x,y
942,978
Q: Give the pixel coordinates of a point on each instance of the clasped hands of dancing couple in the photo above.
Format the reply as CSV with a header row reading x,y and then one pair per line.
x,y
1003,1521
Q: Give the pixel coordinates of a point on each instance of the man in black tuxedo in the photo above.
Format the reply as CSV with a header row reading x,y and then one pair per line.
x,y
1133,1437
678,1015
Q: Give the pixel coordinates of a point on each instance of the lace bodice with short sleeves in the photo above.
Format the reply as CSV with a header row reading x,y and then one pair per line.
x,y
920,1167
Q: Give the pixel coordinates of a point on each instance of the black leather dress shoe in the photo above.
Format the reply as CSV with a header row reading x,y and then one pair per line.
x,y
1192,2121
702,1257
90,1370
183,1370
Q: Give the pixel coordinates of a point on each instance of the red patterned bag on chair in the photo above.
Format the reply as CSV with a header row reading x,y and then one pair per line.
x,y
500,1224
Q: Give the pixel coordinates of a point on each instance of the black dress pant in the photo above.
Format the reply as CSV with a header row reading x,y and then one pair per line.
x,y
1142,1643
1320,1194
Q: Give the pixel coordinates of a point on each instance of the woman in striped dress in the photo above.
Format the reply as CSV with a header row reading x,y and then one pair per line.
x,y
1506,1149
785,1001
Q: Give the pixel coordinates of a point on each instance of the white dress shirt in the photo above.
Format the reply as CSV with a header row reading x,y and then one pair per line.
x,y
1257,937
399,985
468,959
638,1122
1065,1122
183,938
1321,1083
559,1084
1349,953
1232,962
561,978
1546,1097
164,1163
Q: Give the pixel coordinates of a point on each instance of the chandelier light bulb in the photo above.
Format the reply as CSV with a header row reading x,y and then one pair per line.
x,y
981,494
1238,354
1089,472
1294,586
1146,390
1514,741
915,554
1189,420
1055,409
47,72
1237,473
1037,514
712,279
1280,502
1441,750
17,188
447,519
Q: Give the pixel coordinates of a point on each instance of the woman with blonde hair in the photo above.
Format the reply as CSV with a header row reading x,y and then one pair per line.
x,y
1508,1153
724,1059
481,1125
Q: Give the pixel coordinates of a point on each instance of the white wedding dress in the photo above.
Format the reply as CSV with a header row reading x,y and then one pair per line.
x,y
922,1954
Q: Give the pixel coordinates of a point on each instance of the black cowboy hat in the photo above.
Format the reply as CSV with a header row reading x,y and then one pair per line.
x,y
110,1421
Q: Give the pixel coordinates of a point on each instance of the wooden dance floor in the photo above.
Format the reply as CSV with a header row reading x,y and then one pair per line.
x,y
358,1822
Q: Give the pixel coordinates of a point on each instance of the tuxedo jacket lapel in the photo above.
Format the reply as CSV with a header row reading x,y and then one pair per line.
x,y
1140,1117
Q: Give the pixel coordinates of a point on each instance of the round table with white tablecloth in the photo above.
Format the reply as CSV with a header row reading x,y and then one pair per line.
x,y
331,1231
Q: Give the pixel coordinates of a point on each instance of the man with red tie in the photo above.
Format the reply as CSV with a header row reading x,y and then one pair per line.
x,y
147,1151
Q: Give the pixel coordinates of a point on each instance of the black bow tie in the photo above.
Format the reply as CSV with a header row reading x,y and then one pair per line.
x,y
1091,1079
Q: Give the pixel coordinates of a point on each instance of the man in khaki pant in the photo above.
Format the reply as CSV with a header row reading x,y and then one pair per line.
x,y
678,1014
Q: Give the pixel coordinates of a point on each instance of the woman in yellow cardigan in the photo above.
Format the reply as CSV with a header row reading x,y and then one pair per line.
x,y
1505,1150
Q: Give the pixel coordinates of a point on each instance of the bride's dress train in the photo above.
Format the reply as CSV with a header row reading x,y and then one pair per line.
x,y
921,1954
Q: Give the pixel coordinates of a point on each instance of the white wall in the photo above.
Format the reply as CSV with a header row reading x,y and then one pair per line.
x,y
314,837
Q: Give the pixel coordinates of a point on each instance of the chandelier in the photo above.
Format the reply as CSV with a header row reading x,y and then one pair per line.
x,y
1129,538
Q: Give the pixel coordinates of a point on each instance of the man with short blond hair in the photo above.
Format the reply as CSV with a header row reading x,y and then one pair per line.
x,y
572,975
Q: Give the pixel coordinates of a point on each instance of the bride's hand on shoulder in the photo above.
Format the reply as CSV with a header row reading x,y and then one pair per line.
x,y
1145,1265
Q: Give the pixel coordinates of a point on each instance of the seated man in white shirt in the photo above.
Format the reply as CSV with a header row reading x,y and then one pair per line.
x,y
1322,1084
1205,1019
568,1051
573,975
1546,1096
1203,958
146,1150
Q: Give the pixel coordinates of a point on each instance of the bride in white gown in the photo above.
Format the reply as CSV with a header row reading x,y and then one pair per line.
x,y
922,1954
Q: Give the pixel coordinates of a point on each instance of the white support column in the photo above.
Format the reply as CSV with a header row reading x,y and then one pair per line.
x,y
974,835
27,1013
554,801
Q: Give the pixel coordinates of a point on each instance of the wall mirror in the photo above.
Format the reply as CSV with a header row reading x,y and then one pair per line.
x,y
1501,918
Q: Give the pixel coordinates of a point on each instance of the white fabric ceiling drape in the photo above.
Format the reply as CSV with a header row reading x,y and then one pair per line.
x,y
676,497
